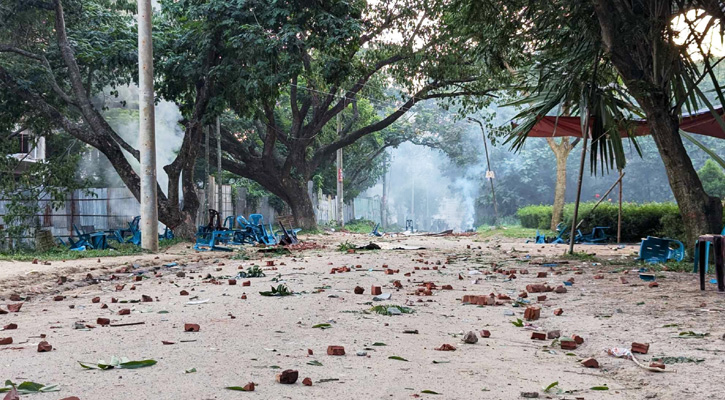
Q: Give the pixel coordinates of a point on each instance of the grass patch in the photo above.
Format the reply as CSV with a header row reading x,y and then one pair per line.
x,y
509,231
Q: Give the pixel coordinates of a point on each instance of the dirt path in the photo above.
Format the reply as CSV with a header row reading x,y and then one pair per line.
x,y
245,340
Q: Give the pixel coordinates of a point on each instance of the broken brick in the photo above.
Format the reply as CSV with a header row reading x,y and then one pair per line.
x,y
446,347
44,347
641,348
288,376
307,382
335,351
590,363
532,313
191,328
538,335
568,344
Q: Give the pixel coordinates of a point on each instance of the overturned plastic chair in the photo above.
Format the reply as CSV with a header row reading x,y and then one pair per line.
x,y
707,253
654,250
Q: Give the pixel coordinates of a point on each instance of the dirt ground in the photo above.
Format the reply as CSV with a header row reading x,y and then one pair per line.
x,y
253,339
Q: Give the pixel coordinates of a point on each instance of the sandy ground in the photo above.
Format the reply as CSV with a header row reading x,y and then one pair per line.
x,y
267,333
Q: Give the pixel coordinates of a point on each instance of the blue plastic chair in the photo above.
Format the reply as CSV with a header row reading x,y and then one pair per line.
x,y
654,250
707,253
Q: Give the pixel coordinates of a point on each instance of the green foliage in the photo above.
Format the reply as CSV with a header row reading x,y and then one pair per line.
x,y
713,179
638,220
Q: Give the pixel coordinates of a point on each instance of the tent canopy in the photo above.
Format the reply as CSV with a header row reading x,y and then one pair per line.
x,y
701,122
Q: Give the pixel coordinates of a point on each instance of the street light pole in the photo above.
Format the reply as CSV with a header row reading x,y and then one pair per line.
x,y
147,134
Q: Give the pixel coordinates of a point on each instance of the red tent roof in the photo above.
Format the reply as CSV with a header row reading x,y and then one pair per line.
x,y
702,123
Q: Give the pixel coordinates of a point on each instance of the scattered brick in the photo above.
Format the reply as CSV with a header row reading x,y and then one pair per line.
x,y
446,347
44,347
641,348
590,363
532,313
289,376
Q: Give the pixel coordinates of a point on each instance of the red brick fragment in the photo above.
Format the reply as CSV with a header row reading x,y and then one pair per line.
x,y
44,347
532,313
335,351
641,348
590,363
15,307
446,347
568,345
288,377
191,328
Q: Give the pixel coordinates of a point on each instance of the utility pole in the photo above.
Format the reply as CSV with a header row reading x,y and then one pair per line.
x,y
147,135
489,174
340,203
207,172
384,199
220,201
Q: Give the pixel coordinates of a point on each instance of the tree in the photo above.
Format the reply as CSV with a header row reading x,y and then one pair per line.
x,y
322,64
624,57
713,179
56,61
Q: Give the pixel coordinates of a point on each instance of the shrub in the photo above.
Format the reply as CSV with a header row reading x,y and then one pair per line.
x,y
638,220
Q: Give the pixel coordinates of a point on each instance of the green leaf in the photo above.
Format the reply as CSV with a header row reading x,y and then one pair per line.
x,y
551,386
137,364
397,358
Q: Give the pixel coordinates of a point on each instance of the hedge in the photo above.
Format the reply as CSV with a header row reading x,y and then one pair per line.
x,y
638,220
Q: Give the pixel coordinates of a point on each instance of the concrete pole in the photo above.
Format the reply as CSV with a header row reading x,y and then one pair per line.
x,y
147,135
340,202
207,173
220,201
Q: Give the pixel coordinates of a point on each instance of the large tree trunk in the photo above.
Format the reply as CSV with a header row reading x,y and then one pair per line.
x,y
299,200
561,151
701,213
